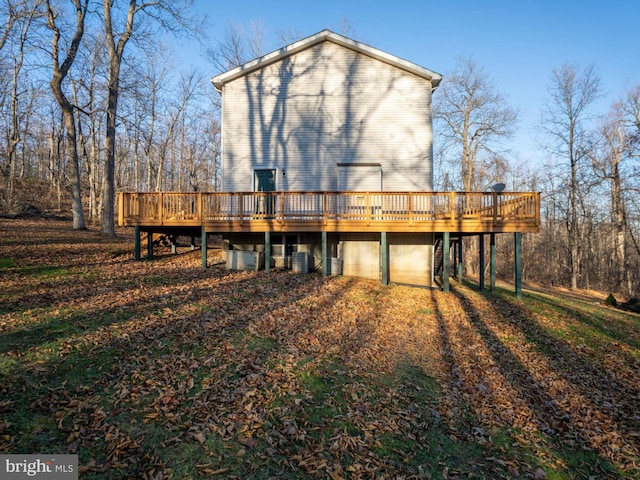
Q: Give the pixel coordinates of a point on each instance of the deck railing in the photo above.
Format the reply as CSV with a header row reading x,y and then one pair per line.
x,y
409,208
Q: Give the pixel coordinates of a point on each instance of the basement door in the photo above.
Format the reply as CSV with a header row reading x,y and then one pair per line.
x,y
411,258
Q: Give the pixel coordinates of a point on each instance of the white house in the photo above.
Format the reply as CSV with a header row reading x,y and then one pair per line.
x,y
328,113
341,133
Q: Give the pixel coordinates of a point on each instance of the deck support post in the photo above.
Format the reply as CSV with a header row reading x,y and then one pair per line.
x,y
149,245
267,251
481,259
174,246
193,242
454,265
136,245
446,257
384,246
492,261
460,266
204,244
517,252
325,256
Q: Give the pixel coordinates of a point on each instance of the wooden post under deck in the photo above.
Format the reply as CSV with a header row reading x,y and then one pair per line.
x,y
204,241
454,265
481,259
492,261
384,246
446,257
149,245
325,256
517,253
136,246
460,266
267,251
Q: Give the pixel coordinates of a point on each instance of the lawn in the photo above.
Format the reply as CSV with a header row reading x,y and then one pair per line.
x,y
164,370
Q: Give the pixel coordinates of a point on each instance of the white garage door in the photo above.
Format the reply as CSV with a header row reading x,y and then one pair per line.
x,y
411,258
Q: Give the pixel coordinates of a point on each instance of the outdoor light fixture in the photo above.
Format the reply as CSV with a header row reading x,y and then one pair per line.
x,y
496,188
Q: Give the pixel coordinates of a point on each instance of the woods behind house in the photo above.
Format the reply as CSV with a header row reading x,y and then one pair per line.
x,y
93,101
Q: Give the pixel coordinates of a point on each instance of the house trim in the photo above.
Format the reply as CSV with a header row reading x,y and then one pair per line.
x,y
325,35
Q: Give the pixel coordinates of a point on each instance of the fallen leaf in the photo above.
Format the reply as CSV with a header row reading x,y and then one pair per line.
x,y
248,442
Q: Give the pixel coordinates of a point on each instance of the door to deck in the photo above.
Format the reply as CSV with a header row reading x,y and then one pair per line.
x,y
265,181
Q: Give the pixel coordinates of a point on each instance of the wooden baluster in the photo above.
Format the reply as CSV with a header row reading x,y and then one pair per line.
x,y
452,207
282,210
325,207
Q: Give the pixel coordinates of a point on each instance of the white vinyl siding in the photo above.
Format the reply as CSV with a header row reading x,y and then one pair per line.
x,y
359,178
324,106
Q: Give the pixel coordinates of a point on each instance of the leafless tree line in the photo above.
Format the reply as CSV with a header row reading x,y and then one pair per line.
x,y
590,228
91,103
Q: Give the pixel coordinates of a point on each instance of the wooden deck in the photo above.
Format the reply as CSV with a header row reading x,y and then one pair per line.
x,y
461,212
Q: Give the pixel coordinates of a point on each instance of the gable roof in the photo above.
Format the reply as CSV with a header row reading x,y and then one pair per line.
x,y
324,36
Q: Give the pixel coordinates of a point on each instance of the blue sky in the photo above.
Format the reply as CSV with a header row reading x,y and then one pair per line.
x,y
518,42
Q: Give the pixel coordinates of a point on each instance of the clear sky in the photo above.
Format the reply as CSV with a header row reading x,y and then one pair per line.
x,y
518,42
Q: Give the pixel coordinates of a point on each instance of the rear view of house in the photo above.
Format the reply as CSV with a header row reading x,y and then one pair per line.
x,y
328,113
327,163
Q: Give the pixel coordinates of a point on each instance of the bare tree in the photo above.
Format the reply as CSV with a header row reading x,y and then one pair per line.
x,y
239,45
632,106
608,165
169,16
149,105
187,86
473,119
115,48
60,71
89,97
10,10
631,109
571,96
22,21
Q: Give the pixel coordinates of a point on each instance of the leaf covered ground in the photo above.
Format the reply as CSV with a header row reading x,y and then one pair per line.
x,y
164,370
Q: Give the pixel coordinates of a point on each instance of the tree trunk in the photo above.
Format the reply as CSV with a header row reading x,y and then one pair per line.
x,y
108,192
116,52
60,71
573,227
72,152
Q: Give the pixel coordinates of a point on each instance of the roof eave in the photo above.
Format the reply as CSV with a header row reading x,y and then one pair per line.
x,y
325,35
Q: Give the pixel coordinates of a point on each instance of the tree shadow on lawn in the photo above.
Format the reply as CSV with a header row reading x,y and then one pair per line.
x,y
615,325
470,432
52,310
565,395
130,376
614,381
